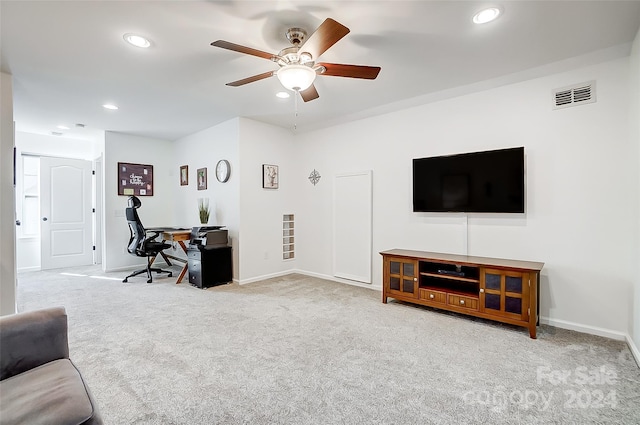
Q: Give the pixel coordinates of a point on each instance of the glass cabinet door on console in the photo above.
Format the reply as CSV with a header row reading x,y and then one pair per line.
x,y
401,277
504,293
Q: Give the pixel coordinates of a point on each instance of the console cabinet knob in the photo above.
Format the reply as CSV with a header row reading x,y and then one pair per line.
x,y
431,296
462,302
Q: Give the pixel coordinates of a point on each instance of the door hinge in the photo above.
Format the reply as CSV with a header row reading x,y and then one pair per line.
x,y
93,210
94,247
93,172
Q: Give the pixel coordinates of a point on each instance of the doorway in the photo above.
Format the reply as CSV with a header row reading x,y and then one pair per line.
x,y
54,213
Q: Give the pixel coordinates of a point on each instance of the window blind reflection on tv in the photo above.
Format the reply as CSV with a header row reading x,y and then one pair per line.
x,y
487,181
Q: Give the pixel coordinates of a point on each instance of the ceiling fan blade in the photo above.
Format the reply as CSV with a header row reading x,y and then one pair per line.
x,y
251,79
351,71
309,93
327,34
243,49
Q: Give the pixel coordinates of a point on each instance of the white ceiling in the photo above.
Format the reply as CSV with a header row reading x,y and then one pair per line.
x,y
68,58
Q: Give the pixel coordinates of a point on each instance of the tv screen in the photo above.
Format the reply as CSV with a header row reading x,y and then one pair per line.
x,y
489,181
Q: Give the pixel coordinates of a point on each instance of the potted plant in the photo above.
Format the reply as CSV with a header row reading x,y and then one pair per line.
x,y
203,210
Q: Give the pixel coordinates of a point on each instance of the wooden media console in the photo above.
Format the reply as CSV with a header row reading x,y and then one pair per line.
x,y
491,288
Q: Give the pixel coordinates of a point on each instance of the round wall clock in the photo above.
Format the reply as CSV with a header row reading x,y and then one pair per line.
x,y
223,171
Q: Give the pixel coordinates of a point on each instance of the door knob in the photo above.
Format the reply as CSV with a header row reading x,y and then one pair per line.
x,y
44,218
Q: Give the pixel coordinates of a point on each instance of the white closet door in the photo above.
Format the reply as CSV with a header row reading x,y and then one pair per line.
x,y
352,226
66,226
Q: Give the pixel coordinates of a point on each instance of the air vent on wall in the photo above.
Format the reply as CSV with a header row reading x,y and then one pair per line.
x,y
574,95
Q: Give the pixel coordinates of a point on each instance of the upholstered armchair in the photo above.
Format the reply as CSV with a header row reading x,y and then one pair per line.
x,y
38,382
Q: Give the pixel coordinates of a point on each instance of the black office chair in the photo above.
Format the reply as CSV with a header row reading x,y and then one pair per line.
x,y
139,244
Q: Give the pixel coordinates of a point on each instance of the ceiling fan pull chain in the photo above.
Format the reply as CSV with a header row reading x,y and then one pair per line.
x,y
295,113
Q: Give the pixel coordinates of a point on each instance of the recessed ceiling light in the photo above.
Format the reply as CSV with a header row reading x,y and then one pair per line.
x,y
136,40
282,94
63,127
110,106
486,15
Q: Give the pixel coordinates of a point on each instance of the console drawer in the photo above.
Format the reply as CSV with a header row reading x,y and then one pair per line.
x,y
462,301
433,296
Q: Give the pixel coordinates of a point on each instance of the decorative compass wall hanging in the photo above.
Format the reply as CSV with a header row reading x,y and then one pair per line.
x,y
314,177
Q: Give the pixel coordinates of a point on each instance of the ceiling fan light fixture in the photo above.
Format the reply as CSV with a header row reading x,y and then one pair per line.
x,y
486,15
305,57
296,77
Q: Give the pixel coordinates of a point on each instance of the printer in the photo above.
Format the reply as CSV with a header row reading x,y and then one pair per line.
x,y
208,236
209,257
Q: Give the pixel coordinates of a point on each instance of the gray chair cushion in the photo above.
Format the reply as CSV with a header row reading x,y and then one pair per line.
x,y
53,393
31,339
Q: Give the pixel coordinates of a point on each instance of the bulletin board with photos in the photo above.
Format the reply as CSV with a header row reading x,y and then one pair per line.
x,y
135,179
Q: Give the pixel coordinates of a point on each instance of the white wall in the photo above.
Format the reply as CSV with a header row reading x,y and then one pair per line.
x,y
251,214
7,200
156,210
261,210
205,149
58,146
634,120
580,183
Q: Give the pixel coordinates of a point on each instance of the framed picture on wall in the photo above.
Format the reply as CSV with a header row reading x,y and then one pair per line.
x,y
270,176
184,175
202,178
135,179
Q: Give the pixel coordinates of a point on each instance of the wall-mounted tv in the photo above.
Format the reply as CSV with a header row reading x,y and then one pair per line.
x,y
487,182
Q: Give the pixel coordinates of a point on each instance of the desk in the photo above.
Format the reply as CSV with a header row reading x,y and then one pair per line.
x,y
175,235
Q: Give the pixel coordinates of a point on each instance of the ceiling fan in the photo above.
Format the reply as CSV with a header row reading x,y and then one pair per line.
x,y
298,66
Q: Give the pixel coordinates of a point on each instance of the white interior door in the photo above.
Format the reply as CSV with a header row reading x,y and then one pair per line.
x,y
66,218
352,224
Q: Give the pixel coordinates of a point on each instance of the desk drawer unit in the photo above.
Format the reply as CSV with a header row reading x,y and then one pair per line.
x,y
210,267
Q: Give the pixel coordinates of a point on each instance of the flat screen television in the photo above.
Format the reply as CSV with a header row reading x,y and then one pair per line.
x,y
486,182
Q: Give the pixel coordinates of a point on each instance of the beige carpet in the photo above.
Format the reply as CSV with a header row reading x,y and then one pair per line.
x,y
301,350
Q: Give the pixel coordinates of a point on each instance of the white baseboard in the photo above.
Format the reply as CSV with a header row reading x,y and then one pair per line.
x,y
263,277
634,350
29,269
337,279
306,273
593,330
